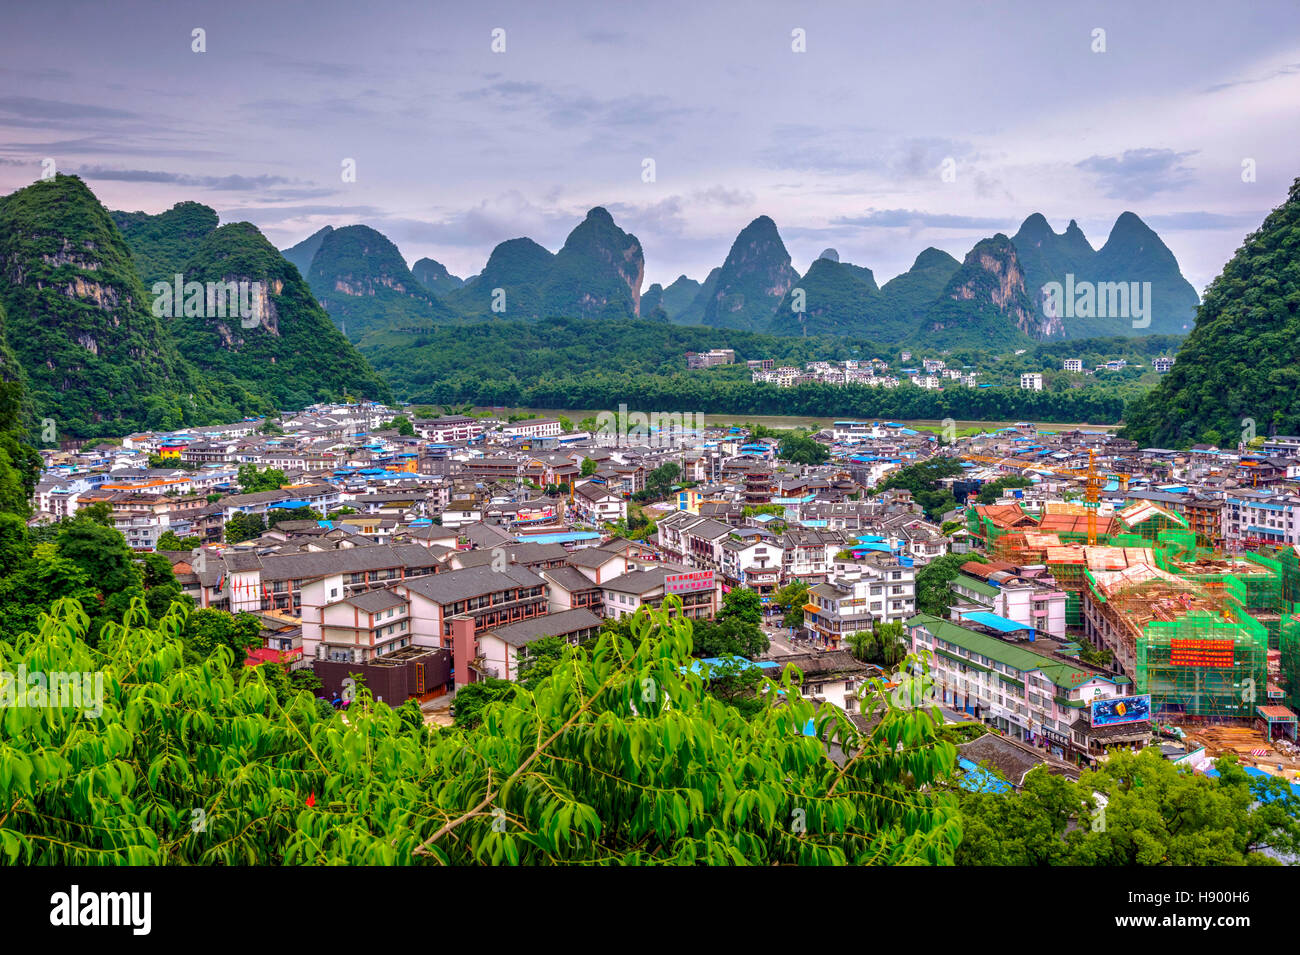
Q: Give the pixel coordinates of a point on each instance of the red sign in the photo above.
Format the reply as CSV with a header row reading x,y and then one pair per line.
x,y
1201,653
688,583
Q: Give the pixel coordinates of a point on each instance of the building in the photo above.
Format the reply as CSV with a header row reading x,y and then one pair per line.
x,y
1024,688
1031,381
1071,364
504,649
856,594
711,358
1162,364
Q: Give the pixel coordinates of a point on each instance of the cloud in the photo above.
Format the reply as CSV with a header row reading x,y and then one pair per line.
x,y
1288,70
232,183
1195,221
917,219
1139,173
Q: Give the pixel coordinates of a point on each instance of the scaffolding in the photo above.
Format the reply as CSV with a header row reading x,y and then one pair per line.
x,y
1148,520
1204,666
1191,644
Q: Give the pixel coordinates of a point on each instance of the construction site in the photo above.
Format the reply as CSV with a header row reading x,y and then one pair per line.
x,y
1214,638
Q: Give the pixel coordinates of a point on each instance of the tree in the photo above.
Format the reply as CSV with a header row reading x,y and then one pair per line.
x,y
168,540
101,552
933,595
730,637
473,698
802,449
791,598
101,513
206,630
588,467
252,480
241,527
403,426
593,766
743,604
1155,813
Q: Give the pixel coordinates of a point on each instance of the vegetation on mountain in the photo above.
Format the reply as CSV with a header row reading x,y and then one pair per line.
x,y
162,244
435,277
292,353
753,280
1238,372
360,278
97,361
302,253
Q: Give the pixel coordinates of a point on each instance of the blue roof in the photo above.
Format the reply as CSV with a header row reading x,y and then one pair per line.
x,y
978,780
995,622
564,537
289,505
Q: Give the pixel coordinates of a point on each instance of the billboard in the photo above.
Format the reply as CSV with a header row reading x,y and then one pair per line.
x,y
688,583
1121,709
1201,653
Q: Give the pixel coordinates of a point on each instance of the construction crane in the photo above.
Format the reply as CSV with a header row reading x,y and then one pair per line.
x,y
1092,480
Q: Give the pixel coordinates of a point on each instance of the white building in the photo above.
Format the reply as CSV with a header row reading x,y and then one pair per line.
x,y
1074,364
1031,381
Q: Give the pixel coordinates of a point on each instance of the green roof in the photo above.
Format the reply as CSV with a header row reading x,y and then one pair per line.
x,y
1058,671
978,586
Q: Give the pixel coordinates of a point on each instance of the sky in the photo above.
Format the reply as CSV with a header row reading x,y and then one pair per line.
x,y
896,127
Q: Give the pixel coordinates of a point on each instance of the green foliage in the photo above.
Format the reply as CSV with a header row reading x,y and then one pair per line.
x,y
591,766
741,603
802,449
922,480
791,598
588,467
252,480
473,698
205,630
514,363
1241,363
168,540
836,299
933,595
242,527
1156,813
885,644
729,636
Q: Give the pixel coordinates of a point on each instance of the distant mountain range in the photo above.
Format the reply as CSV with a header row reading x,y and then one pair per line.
x,y
97,356
80,286
1001,295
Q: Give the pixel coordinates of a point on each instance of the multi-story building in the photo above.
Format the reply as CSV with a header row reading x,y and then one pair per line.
x,y
1261,516
858,593
1031,381
1073,364
1042,698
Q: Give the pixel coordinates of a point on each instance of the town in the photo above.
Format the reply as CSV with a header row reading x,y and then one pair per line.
x,y
1092,595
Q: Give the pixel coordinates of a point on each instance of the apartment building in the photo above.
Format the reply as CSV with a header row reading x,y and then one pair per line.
x,y
1041,698
1261,516
856,594
503,650
754,559
700,591
1031,381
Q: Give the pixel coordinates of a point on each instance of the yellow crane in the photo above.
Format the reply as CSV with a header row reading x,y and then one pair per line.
x,y
1091,477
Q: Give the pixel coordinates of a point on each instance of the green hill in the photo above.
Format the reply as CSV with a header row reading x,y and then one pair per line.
x,y
985,302
161,244
302,253
836,298
754,279
292,353
1241,362
435,277
905,299
96,359
362,281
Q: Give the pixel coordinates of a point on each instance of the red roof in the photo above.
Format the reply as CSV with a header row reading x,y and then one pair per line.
x,y
267,655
